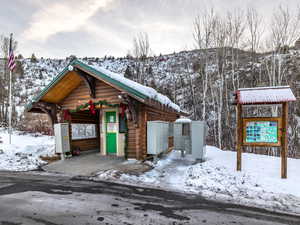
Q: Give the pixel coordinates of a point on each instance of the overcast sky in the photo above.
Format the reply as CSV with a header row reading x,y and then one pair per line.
x,y
59,28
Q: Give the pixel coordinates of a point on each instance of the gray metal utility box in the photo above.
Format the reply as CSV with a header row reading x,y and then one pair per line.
x,y
189,137
157,137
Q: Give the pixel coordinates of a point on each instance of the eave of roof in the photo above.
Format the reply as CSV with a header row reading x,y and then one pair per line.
x,y
47,88
108,79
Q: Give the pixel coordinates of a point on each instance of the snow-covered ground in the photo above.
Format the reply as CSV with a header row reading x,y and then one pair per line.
x,y
25,151
259,184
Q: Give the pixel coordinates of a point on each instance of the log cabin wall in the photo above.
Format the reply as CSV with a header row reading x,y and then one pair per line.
x,y
131,140
85,144
80,95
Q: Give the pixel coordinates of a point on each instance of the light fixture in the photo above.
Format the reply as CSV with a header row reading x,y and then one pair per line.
x,y
70,68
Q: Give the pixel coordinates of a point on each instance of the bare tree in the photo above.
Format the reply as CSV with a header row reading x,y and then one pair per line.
x,y
254,30
236,28
4,77
141,51
220,42
284,31
204,26
285,28
141,46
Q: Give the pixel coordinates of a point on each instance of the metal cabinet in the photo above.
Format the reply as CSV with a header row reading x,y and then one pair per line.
x,y
189,137
62,140
157,137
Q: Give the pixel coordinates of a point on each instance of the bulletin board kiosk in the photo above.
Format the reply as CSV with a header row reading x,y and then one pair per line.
x,y
263,131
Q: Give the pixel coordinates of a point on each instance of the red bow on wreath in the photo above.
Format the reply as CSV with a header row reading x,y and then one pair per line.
x,y
92,107
66,115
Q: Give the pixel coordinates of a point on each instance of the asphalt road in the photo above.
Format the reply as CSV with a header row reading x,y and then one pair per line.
x,y
52,200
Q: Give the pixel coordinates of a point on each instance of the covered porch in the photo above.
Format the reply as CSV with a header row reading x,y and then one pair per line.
x,y
103,132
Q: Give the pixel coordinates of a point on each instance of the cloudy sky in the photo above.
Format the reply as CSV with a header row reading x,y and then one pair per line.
x,y
59,28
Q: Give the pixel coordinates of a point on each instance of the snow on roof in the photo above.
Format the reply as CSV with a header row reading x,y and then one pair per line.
x,y
276,94
148,91
183,120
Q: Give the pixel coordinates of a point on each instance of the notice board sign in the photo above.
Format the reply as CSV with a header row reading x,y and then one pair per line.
x,y
263,131
112,127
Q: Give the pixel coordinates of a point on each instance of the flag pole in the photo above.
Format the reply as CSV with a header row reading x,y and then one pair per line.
x,y
10,108
10,99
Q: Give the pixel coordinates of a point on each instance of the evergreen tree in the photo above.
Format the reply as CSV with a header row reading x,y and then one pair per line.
x,y
128,73
33,58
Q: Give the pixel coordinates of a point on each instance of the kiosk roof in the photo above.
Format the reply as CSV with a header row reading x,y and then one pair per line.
x,y
265,95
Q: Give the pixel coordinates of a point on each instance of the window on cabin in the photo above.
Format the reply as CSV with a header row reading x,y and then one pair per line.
x,y
185,129
83,131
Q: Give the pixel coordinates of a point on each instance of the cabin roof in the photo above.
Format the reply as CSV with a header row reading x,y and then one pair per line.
x,y
265,95
136,90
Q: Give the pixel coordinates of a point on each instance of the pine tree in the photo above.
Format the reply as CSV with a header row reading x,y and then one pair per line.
x,y
128,73
33,58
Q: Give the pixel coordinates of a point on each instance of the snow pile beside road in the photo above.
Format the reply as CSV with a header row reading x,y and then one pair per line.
x,y
25,151
221,183
259,184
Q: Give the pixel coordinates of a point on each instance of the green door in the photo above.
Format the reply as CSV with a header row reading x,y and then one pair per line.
x,y
111,132
111,143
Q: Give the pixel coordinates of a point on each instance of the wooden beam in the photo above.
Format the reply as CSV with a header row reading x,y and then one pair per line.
x,y
284,141
99,125
90,81
133,107
239,136
49,108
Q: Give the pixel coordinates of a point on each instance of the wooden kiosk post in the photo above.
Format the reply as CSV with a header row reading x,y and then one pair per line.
x,y
239,140
263,131
284,141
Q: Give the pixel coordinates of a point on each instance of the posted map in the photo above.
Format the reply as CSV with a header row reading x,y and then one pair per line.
x,y
262,131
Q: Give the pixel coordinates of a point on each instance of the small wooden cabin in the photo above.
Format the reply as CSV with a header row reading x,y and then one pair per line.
x,y
118,107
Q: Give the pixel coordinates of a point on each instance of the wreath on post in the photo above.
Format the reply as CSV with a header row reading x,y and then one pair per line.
x,y
92,106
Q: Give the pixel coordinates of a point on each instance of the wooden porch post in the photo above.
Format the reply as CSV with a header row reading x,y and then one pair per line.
x,y
70,134
285,114
239,136
99,128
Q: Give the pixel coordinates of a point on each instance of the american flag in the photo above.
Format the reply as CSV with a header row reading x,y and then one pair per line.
x,y
11,60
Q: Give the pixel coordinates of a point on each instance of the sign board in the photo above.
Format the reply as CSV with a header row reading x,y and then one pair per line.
x,y
112,127
261,131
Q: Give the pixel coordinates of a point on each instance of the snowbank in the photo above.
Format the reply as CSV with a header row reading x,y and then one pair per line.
x,y
183,120
259,184
25,151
